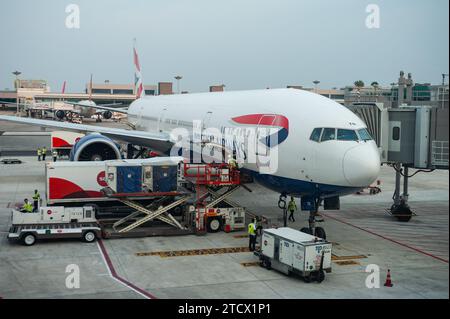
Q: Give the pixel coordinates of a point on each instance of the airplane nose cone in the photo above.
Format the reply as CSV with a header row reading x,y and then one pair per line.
x,y
362,165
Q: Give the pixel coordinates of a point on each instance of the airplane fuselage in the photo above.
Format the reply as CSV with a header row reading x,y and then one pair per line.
x,y
305,166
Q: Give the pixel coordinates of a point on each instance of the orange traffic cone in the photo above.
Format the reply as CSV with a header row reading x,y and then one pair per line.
x,y
388,282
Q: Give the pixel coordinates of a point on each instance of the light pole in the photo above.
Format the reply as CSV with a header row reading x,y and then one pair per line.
x,y
316,83
178,78
17,73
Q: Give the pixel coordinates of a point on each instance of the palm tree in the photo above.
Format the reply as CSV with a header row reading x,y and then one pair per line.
x,y
359,84
375,86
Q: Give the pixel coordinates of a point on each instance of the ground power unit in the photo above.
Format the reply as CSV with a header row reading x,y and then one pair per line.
x,y
293,252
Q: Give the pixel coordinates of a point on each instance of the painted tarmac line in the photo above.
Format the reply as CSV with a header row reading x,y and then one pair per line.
x,y
387,238
113,274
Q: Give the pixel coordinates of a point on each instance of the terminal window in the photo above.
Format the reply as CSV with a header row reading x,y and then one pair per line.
x,y
396,133
101,91
122,91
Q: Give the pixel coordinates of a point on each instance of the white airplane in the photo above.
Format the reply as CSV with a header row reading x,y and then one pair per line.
x,y
88,108
324,149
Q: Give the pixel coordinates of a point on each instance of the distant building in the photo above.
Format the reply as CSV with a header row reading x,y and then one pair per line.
x,y
118,89
216,88
165,88
417,94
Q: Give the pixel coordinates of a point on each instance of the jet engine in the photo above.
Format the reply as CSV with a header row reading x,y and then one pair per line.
x,y
107,115
95,147
60,114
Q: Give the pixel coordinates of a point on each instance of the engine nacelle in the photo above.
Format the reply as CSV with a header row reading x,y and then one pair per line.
x,y
107,115
60,114
95,147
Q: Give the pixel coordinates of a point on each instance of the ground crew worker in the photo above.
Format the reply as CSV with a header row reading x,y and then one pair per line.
x,y
55,155
252,235
44,153
36,199
39,153
232,162
291,208
26,208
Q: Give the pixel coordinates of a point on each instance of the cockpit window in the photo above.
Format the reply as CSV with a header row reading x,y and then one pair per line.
x,y
315,135
328,134
346,135
364,135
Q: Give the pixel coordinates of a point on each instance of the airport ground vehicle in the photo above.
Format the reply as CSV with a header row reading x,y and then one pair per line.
x,y
54,222
290,251
147,193
63,141
226,218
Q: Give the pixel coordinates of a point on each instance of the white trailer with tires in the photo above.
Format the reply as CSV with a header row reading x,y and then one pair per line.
x,y
291,251
54,222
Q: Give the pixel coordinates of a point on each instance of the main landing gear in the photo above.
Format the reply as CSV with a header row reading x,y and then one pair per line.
x,y
313,229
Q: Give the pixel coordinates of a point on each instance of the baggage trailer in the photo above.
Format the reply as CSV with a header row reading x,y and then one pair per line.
x,y
54,222
291,251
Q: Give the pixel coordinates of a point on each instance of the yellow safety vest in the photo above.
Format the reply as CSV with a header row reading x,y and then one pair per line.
x,y
251,229
44,151
292,205
36,196
38,151
27,207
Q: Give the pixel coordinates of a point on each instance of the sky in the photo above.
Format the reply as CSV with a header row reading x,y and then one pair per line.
x,y
244,44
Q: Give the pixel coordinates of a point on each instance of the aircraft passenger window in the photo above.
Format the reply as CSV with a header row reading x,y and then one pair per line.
x,y
315,135
364,135
346,135
328,134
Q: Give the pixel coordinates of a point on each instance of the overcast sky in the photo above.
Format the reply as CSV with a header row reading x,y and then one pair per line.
x,y
245,44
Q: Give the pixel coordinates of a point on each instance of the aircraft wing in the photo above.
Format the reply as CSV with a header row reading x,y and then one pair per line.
x,y
157,141
105,107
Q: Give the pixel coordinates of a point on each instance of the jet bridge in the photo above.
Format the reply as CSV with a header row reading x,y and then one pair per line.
x,y
408,137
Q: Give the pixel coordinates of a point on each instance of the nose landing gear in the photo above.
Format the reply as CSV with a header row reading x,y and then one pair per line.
x,y
313,218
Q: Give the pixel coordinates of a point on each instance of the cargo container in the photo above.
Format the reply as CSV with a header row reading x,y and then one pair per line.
x,y
63,141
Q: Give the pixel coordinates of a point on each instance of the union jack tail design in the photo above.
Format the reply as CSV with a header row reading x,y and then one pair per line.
x,y
138,83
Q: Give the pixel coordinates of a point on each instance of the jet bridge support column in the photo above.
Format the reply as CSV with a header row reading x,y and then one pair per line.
x,y
405,184
400,208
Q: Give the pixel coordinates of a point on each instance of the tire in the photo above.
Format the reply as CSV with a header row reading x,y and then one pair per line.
x,y
403,213
89,236
307,278
214,224
320,276
28,239
306,230
320,232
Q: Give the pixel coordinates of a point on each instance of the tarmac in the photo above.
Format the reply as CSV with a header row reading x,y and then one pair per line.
x,y
362,233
